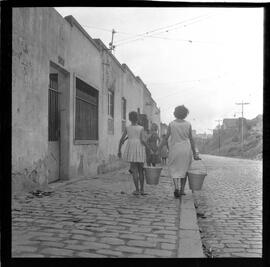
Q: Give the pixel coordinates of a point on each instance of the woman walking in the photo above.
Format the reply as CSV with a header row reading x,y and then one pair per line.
x,y
134,151
181,148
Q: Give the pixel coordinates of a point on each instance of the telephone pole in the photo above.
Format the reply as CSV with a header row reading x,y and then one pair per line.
x,y
112,47
218,135
242,125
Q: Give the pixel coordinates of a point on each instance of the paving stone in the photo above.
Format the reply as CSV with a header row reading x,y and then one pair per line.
x,y
95,245
233,249
84,238
112,241
90,255
108,234
155,239
168,246
129,249
110,252
139,243
140,256
158,252
132,236
246,255
53,244
29,255
57,251
236,245
19,249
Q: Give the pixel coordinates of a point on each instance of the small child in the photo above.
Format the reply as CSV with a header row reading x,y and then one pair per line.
x,y
134,151
152,154
164,150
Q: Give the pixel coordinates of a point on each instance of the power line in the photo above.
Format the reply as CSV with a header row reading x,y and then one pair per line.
x,y
146,34
157,29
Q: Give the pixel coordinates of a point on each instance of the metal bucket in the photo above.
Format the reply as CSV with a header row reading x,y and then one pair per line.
x,y
196,178
152,175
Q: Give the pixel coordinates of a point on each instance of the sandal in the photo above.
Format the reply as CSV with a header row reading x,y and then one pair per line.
x,y
136,193
143,193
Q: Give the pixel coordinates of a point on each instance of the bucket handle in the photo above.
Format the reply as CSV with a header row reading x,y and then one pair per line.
x,y
204,165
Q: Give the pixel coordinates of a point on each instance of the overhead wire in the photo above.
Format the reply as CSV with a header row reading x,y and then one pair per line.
x,y
146,34
160,28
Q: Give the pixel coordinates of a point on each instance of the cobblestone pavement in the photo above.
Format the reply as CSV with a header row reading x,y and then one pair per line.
x,y
97,218
230,207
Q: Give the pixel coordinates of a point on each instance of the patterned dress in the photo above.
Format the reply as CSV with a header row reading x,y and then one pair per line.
x,y
134,150
180,153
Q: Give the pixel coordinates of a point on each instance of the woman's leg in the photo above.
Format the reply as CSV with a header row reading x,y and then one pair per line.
x,y
134,170
176,187
183,184
141,177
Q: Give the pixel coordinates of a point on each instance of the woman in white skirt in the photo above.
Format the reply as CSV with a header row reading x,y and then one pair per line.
x,y
134,151
181,149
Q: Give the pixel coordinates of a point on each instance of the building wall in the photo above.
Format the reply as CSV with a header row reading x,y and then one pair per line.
x,y
36,42
86,64
43,43
42,39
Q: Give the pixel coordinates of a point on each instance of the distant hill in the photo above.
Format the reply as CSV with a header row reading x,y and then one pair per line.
x,y
230,140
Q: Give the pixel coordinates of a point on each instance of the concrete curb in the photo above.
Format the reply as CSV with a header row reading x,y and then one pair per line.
x,y
190,244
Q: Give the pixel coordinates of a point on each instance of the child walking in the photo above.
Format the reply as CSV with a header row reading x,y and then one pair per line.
x,y
152,155
134,151
164,150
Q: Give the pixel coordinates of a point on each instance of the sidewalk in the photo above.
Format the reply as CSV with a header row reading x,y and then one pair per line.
x,y
99,217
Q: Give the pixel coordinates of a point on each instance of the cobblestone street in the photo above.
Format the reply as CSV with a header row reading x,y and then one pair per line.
x,y
97,218
230,207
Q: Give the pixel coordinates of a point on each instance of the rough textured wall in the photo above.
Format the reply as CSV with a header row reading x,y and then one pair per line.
x,y
36,40
86,64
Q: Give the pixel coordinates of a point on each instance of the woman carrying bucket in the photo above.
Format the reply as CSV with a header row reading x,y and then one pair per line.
x,y
181,148
134,151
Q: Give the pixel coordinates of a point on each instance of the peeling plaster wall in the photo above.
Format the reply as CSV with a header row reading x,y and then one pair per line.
x,y
35,41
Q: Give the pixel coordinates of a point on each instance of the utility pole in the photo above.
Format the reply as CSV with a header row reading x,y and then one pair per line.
x,y
112,47
218,135
242,125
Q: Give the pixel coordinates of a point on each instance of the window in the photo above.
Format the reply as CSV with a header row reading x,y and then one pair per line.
x,y
111,103
123,113
86,119
53,127
110,112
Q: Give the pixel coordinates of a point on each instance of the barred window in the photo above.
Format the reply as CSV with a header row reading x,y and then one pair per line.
x,y
53,127
86,119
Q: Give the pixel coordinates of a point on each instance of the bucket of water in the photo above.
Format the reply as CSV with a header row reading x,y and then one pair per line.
x,y
196,178
152,175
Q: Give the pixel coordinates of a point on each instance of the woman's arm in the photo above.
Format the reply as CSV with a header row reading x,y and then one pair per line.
x,y
121,142
192,143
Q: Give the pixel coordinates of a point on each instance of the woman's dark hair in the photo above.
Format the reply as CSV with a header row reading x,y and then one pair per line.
x,y
180,112
133,116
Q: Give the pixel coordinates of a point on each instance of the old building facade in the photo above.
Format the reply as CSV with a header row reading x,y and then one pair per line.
x,y
70,100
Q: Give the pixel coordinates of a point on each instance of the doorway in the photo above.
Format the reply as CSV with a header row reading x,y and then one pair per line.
x,y
53,128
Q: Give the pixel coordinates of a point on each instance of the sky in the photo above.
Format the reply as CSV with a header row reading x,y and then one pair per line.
x,y
207,59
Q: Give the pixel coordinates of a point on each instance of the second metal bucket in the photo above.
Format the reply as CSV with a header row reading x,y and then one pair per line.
x,y
152,175
196,178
